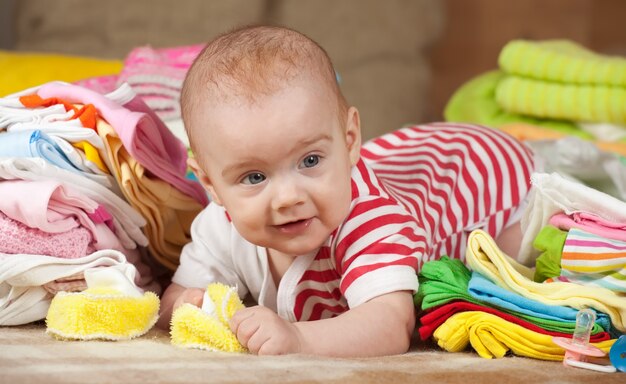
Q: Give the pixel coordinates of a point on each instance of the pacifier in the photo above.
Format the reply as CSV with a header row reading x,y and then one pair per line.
x,y
579,352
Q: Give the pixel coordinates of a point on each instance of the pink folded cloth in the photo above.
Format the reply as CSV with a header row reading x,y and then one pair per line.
x,y
591,223
143,134
101,215
54,207
47,205
100,84
17,238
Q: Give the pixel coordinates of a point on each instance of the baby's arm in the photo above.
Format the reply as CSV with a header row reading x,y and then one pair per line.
x,y
174,296
381,326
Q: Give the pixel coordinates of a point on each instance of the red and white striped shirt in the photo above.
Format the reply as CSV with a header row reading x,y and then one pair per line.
x,y
416,194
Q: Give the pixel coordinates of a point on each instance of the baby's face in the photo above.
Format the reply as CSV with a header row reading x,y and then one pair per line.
x,y
281,167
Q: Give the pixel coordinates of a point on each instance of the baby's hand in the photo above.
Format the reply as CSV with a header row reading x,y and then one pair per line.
x,y
190,295
263,332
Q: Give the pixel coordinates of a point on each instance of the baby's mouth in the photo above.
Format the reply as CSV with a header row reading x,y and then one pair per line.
x,y
294,227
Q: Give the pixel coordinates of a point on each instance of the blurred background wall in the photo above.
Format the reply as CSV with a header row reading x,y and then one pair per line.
x,y
400,60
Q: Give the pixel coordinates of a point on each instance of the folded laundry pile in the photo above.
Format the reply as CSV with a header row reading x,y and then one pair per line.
x,y
88,181
555,84
498,306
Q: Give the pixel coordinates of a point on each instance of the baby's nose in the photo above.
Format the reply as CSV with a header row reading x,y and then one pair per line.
x,y
287,192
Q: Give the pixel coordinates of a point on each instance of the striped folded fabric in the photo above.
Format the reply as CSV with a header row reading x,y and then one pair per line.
x,y
157,75
594,260
576,102
560,79
561,61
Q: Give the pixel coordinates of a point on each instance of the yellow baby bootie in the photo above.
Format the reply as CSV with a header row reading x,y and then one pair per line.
x,y
111,308
207,328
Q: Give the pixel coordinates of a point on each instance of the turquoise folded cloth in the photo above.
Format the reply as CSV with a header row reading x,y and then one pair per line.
x,y
485,290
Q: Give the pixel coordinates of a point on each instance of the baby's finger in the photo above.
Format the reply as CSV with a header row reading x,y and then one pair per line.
x,y
243,325
257,341
195,297
239,317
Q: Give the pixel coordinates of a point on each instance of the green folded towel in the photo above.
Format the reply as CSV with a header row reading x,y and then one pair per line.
x,y
562,61
475,102
444,280
549,241
545,99
441,281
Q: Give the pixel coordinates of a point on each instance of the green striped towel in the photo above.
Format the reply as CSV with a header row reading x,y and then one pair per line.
x,y
562,61
574,102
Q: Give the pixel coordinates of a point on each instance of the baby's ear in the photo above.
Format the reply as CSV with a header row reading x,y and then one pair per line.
x,y
203,178
353,135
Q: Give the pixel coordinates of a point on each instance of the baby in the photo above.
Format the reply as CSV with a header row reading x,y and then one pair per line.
x,y
326,235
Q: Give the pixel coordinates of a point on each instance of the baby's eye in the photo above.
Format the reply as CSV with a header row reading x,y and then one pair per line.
x,y
253,178
310,161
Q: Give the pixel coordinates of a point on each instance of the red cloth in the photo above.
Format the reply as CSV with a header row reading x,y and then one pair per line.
x,y
438,315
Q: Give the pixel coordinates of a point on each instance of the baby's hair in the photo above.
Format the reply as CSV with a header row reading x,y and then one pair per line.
x,y
255,61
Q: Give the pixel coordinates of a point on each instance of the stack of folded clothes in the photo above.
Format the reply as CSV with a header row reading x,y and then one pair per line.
x,y
497,305
87,181
555,84
462,307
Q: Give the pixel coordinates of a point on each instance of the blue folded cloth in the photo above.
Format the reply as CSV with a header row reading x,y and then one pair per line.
x,y
485,290
34,144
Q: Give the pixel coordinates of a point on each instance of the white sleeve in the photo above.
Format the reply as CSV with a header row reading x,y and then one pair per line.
x,y
208,257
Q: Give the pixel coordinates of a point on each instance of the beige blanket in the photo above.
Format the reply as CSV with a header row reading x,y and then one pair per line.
x,y
29,355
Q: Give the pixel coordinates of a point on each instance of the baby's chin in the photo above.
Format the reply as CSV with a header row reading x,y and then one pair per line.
x,y
297,248
295,251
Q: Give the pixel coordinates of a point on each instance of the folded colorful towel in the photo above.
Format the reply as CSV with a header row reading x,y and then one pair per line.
x,y
591,259
490,294
111,308
492,336
208,328
562,61
484,256
443,281
437,316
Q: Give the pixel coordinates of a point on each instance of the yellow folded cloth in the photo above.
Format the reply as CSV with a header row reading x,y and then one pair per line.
x,y
561,61
568,101
484,256
111,308
168,211
491,336
20,70
207,327
92,154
